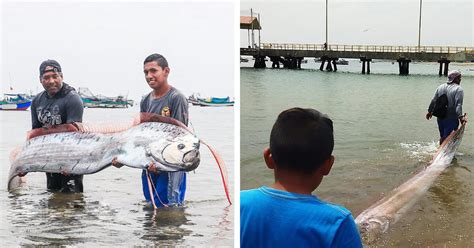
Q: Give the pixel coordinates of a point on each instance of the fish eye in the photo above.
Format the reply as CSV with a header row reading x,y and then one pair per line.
x,y
181,146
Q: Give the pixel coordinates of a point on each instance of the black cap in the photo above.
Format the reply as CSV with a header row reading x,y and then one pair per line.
x,y
51,63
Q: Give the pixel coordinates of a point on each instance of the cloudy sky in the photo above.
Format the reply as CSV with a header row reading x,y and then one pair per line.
x,y
374,22
102,45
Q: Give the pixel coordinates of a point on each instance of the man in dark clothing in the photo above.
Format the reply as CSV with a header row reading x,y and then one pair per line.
x,y
57,104
455,96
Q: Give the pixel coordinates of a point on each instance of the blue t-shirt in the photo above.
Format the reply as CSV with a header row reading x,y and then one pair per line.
x,y
275,218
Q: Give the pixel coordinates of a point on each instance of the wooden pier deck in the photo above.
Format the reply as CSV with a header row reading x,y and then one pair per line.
x,y
290,55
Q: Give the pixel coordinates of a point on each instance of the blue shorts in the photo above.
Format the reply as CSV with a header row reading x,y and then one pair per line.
x,y
446,126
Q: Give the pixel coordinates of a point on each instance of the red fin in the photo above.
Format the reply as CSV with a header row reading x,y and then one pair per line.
x,y
150,117
70,127
222,169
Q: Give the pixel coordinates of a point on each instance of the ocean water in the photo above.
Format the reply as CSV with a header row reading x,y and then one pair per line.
x,y
111,211
381,140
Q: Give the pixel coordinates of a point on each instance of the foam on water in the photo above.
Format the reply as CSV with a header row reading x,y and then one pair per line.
x,y
420,150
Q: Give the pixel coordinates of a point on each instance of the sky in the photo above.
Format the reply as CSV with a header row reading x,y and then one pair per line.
x,y
102,45
374,22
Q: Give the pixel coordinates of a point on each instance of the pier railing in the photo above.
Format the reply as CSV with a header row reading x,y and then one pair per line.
x,y
368,48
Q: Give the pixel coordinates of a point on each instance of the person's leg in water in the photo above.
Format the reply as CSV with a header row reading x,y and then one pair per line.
x,y
446,126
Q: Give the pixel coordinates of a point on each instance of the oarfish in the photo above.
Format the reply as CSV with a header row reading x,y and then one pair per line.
x,y
377,218
170,147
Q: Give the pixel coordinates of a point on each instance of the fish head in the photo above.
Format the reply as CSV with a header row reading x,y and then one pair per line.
x,y
179,154
371,227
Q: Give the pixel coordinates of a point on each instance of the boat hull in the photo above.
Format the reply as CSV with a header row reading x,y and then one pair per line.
x,y
15,106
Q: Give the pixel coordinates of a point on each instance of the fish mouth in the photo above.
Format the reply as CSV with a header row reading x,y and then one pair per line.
x,y
191,159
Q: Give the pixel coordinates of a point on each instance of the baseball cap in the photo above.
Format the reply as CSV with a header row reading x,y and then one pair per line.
x,y
49,63
453,75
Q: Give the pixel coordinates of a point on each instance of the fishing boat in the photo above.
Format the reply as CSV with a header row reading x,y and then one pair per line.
x,y
99,101
15,102
215,102
193,99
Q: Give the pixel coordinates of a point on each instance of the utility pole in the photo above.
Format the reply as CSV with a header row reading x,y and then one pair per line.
x,y
326,44
419,29
253,34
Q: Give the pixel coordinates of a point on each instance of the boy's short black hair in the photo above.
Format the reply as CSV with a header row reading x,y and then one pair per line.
x,y
160,60
301,140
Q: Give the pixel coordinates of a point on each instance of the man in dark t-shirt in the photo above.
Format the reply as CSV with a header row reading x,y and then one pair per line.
x,y
57,104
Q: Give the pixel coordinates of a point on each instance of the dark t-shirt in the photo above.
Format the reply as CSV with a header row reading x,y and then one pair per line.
x,y
173,104
64,107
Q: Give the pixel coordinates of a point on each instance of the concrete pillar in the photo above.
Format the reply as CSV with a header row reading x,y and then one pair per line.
x,y
363,66
275,61
446,67
368,65
259,62
322,64
329,66
440,67
404,66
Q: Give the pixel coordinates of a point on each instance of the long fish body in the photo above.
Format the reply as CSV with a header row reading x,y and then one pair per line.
x,y
378,218
169,147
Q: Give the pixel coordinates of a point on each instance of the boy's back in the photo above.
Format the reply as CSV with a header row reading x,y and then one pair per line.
x,y
275,218
287,214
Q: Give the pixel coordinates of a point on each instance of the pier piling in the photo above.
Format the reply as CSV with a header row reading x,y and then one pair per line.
x,y
259,62
444,62
365,61
334,64
403,66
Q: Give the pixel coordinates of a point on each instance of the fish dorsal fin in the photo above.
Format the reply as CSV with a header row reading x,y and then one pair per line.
x,y
70,127
150,117
104,128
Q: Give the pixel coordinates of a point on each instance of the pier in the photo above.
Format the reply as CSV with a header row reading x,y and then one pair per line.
x,y
290,55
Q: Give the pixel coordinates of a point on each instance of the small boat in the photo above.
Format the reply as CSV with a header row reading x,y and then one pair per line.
x,y
212,102
342,62
15,102
98,101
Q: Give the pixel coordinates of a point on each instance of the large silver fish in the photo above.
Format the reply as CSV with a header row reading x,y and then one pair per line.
x,y
170,147
377,218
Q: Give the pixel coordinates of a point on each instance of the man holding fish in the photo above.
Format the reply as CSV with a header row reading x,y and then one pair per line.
x,y
167,188
57,104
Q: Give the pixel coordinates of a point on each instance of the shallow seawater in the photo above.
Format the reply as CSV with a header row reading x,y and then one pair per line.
x,y
381,140
112,211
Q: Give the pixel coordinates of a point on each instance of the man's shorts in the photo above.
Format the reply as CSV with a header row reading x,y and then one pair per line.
x,y
446,126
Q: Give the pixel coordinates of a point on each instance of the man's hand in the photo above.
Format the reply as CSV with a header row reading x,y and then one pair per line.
x,y
152,168
429,115
463,119
116,163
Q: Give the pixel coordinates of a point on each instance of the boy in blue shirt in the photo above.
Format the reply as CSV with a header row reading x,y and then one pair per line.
x,y
286,214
